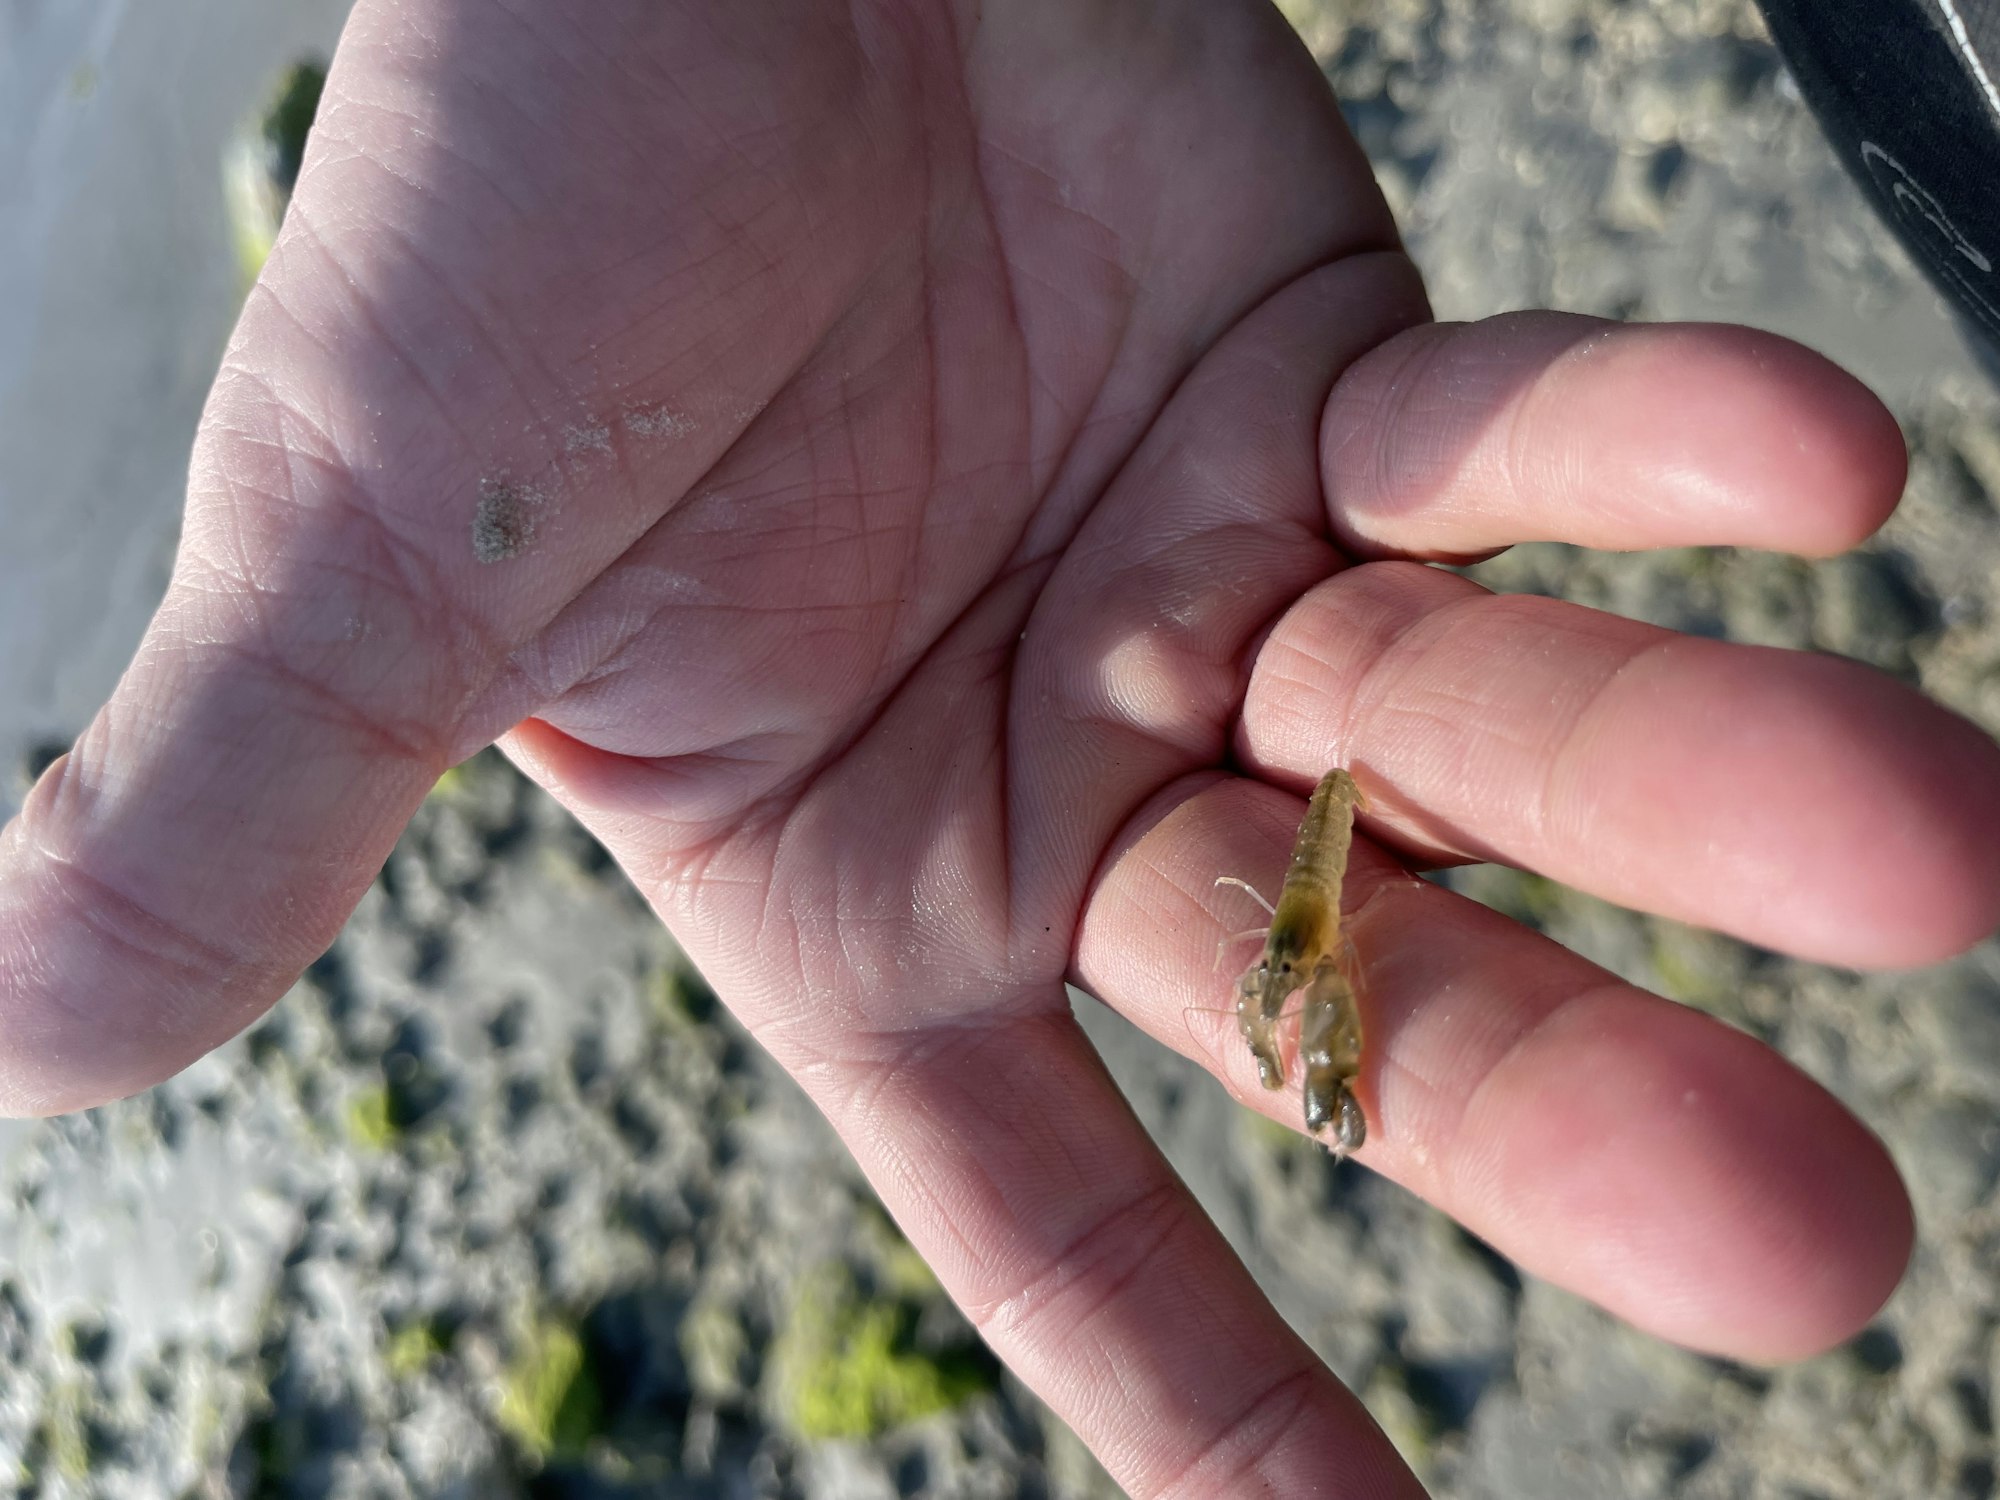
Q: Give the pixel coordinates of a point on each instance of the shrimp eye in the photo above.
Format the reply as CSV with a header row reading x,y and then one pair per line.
x,y
1285,967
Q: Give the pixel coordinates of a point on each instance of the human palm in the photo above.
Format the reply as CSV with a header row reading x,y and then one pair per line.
x,y
891,470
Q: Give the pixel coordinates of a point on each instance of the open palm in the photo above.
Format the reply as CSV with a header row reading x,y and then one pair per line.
x,y
893,470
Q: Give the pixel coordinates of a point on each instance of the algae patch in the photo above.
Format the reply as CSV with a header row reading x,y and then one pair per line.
x,y
411,1349
262,163
847,1366
549,1401
371,1120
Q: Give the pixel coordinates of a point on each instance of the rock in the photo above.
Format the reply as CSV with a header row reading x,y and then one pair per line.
x,y
1867,606
1949,1150
1956,1014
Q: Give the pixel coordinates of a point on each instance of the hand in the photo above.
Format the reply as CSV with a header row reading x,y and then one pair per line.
x,y
892,469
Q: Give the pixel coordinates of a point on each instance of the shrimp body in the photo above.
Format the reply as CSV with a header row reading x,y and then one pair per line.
x,y
1304,951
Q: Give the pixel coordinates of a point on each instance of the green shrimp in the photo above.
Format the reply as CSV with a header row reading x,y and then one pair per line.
x,y
1304,951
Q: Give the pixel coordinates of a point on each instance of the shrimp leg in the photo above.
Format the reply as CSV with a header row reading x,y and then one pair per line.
x,y
1330,1051
1222,948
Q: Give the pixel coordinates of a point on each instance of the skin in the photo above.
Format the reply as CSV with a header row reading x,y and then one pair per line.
x,y
968,468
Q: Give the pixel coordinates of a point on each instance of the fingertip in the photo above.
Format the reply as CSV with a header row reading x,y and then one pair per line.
x,y
101,996
1452,441
166,882
1937,819
1706,1190
1744,438
63,1048
1858,823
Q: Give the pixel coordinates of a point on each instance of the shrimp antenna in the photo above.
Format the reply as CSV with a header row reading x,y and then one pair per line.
x,y
1244,885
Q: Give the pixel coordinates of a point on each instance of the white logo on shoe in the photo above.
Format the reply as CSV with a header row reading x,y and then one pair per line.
x,y
1912,198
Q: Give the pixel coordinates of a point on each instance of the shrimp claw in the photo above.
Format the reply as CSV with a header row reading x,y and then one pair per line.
x,y
1330,1052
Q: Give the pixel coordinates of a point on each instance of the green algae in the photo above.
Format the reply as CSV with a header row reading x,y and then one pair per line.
x,y
411,1349
845,1365
549,1400
371,1120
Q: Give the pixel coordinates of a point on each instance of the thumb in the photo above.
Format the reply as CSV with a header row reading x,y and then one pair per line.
x,y
169,878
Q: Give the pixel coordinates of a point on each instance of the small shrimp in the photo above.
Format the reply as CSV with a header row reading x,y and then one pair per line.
x,y
1304,950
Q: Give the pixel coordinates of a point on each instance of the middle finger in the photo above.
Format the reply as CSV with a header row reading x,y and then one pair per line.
x,y
1794,800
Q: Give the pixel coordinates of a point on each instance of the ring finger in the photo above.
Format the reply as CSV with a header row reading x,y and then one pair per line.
x,y
1642,1154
